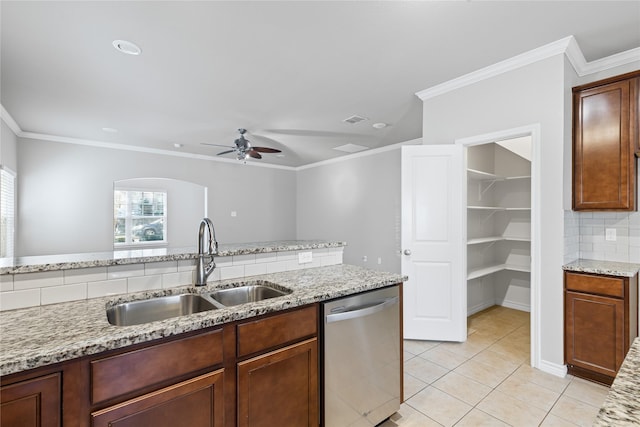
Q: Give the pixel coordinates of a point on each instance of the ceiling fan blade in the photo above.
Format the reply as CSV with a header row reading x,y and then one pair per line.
x,y
225,152
266,150
253,153
214,145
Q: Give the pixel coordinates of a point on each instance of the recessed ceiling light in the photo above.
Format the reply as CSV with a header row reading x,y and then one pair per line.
x,y
127,47
110,130
379,125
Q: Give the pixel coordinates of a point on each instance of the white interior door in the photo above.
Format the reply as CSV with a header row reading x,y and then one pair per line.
x,y
435,306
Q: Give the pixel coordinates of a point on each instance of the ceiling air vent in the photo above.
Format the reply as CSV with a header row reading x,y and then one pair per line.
x,y
354,119
351,148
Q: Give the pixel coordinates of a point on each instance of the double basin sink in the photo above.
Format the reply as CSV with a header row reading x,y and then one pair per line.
x,y
160,308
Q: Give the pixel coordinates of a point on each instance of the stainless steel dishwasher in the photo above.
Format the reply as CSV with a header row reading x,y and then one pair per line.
x,y
361,349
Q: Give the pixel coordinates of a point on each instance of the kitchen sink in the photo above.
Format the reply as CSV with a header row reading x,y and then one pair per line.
x,y
160,308
247,293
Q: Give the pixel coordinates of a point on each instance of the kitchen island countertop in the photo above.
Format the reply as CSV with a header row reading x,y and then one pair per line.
x,y
622,406
45,335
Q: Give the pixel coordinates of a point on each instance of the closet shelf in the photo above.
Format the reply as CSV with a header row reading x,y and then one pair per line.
x,y
489,239
496,208
485,271
486,176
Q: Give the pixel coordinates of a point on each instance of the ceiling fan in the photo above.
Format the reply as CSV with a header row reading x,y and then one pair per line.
x,y
243,148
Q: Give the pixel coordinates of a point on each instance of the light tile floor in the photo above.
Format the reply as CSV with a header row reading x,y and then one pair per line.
x,y
488,381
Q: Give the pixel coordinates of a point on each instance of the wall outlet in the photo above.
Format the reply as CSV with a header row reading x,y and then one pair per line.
x,y
379,260
610,234
364,258
305,257
234,214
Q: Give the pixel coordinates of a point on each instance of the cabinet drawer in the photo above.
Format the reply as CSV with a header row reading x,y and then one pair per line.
x,y
601,285
277,330
135,370
194,403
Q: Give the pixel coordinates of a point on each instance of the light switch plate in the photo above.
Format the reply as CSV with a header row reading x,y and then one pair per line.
x,y
610,234
305,257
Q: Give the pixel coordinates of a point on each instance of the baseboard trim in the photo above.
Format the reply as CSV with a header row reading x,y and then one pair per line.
x,y
553,368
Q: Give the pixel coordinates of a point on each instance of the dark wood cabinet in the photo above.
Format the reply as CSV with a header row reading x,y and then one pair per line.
x,y
280,388
198,402
32,403
601,315
605,138
279,384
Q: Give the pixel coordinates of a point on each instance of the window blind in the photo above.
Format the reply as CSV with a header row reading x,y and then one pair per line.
x,y
7,212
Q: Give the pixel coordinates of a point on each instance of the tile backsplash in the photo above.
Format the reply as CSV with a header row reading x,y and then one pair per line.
x,y
49,287
588,230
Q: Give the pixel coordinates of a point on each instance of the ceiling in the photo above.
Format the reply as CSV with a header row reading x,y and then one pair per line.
x,y
289,72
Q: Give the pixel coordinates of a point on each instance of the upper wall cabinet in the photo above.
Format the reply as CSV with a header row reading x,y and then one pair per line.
x,y
605,138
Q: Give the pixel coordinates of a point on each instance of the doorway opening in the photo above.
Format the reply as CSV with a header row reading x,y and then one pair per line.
x,y
501,227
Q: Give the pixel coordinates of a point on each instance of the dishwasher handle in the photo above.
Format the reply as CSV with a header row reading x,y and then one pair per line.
x,y
361,312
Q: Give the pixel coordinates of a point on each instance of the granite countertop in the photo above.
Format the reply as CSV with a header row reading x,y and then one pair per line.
x,y
610,268
622,406
34,264
39,336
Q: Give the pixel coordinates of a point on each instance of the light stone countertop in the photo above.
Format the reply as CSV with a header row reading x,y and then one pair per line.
x,y
40,336
609,268
622,406
34,264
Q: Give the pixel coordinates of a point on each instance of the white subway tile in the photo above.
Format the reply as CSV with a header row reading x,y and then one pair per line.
x,y
56,294
224,261
186,265
255,269
244,259
213,277
125,270
19,299
232,272
6,282
37,280
106,287
163,267
293,264
84,275
144,283
277,267
171,280
287,255
267,257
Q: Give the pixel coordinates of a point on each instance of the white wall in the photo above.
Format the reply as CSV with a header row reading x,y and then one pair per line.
x,y
8,147
355,200
65,194
532,94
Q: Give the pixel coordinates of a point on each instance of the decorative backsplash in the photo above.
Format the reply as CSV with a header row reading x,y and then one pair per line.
x,y
585,236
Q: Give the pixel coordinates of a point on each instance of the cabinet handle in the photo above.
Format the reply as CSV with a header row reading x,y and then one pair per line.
x,y
407,251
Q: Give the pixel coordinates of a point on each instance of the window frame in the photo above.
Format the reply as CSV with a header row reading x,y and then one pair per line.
x,y
129,217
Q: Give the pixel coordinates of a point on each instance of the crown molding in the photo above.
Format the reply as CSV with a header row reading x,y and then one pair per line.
x,y
568,46
126,147
6,117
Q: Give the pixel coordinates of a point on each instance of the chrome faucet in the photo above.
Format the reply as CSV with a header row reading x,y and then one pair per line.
x,y
203,272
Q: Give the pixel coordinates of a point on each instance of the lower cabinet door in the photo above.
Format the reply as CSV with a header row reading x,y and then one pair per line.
x,y
594,334
280,388
31,403
198,402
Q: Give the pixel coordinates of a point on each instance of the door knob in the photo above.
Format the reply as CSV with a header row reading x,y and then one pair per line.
x,y
407,251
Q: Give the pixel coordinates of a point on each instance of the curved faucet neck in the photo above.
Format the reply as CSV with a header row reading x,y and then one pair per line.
x,y
202,271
